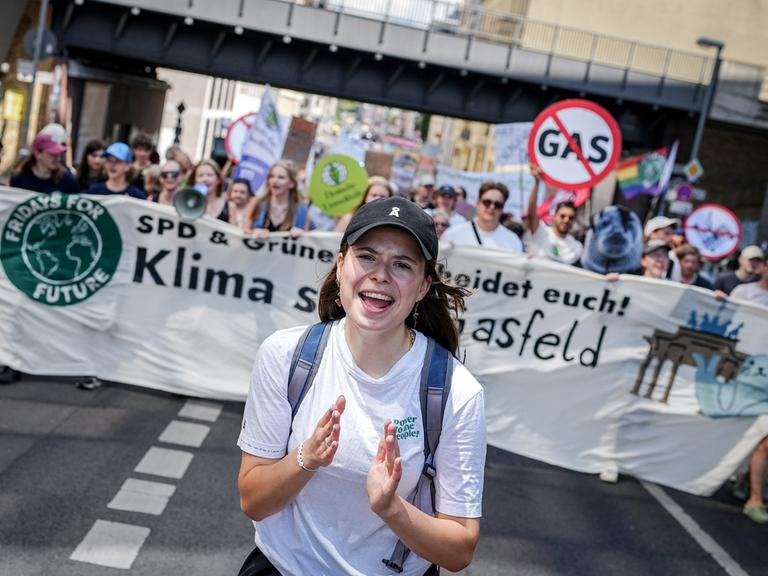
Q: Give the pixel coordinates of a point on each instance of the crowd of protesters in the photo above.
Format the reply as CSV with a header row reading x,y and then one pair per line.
x,y
136,170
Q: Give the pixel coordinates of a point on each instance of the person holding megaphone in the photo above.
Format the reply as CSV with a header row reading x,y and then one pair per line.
x,y
280,209
208,173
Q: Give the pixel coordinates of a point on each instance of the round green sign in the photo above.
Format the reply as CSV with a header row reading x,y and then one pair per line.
x,y
60,249
338,184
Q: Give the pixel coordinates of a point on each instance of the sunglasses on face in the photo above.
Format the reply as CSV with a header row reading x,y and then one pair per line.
x,y
441,224
169,174
491,204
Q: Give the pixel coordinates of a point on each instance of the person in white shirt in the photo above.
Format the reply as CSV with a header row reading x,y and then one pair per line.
x,y
755,292
446,201
554,242
328,489
485,228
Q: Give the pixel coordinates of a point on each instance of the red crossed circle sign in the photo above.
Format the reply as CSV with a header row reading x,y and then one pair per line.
x,y
714,230
238,130
575,143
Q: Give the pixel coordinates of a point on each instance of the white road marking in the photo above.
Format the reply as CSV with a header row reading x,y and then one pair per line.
x,y
164,462
142,496
111,544
185,433
205,411
695,531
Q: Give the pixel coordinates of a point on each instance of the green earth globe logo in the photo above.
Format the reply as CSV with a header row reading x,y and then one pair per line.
x,y
60,249
334,173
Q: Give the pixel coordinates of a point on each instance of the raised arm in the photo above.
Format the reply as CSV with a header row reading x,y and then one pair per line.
x,y
533,215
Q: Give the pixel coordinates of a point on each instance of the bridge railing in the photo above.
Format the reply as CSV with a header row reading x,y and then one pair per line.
x,y
516,30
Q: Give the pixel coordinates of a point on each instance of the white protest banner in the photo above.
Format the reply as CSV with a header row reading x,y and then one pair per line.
x,y
576,143
714,230
519,183
659,379
512,143
263,143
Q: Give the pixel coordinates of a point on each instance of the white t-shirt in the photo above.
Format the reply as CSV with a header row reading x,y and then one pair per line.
x,y
454,220
329,528
501,238
544,243
751,291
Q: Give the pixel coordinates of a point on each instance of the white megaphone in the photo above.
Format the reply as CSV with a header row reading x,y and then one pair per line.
x,y
190,202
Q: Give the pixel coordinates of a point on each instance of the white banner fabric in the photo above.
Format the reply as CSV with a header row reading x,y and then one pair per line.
x,y
123,290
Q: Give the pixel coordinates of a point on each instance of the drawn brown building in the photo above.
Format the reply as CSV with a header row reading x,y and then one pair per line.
x,y
679,349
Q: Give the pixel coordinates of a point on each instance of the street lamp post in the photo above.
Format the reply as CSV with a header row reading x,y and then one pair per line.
x,y
35,63
707,102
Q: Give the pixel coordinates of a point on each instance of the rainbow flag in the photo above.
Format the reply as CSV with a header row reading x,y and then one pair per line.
x,y
642,174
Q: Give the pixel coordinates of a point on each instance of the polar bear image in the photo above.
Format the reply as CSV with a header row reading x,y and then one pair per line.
x,y
746,394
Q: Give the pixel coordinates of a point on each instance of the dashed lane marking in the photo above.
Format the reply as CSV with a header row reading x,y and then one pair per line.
x,y
695,531
111,544
142,496
205,411
185,433
164,462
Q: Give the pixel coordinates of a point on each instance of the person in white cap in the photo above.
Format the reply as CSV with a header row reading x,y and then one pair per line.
x,y
756,292
655,259
660,228
751,262
663,228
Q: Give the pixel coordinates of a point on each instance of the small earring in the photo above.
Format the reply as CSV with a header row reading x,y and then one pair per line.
x,y
416,312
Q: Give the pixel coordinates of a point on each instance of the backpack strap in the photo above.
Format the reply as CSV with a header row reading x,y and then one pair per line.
x,y
305,363
435,387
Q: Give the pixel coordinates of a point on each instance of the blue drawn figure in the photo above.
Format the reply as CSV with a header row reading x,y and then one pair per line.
x,y
746,394
692,320
734,334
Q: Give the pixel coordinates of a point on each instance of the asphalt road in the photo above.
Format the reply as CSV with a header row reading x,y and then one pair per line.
x,y
66,454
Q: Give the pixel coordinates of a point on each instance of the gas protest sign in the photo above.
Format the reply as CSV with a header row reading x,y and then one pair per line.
x,y
576,143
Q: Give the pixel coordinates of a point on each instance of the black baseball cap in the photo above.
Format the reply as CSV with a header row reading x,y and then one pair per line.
x,y
395,211
446,191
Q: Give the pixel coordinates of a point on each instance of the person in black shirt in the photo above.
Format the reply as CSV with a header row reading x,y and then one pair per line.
x,y
42,171
750,261
90,169
689,259
142,148
117,159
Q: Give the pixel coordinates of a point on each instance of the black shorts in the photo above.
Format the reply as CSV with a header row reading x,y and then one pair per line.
x,y
257,565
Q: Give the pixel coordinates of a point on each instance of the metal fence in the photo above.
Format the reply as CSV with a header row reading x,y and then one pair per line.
x,y
508,28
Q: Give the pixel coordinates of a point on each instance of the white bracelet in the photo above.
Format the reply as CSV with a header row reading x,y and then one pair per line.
x,y
300,459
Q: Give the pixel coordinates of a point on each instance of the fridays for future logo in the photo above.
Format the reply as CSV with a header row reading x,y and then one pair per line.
x,y
60,249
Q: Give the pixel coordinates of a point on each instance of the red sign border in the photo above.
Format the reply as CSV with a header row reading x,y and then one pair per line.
x,y
724,209
227,147
588,105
